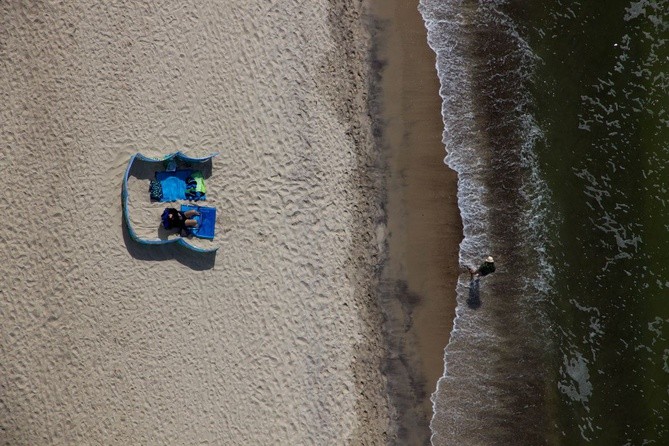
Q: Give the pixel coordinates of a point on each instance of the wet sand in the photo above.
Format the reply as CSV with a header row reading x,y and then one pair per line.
x,y
423,218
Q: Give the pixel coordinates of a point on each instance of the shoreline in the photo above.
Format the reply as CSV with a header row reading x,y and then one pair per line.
x,y
423,223
414,218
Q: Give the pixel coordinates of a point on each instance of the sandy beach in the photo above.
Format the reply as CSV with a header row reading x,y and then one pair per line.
x,y
322,317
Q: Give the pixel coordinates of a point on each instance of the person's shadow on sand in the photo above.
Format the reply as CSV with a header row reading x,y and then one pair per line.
x,y
474,299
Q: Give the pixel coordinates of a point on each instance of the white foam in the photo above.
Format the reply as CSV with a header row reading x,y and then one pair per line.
x,y
449,26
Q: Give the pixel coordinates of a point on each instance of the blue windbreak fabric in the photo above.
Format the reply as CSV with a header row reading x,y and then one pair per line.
x,y
160,163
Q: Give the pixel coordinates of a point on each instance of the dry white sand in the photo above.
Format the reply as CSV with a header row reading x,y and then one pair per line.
x,y
275,339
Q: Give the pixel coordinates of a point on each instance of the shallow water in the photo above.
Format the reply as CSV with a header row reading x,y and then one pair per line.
x,y
555,121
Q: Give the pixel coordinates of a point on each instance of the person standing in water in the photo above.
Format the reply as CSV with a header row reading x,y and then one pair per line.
x,y
487,267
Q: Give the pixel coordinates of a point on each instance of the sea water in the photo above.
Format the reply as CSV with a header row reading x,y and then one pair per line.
x,y
556,118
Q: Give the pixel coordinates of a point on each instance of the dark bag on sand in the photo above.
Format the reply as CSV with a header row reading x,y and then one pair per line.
x,y
156,190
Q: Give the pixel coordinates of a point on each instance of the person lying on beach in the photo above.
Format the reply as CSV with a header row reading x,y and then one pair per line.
x,y
487,267
175,219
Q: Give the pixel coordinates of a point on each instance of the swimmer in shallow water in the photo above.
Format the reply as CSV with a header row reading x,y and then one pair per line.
x,y
487,267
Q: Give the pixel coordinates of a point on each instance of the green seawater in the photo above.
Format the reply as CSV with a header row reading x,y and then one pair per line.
x,y
600,90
